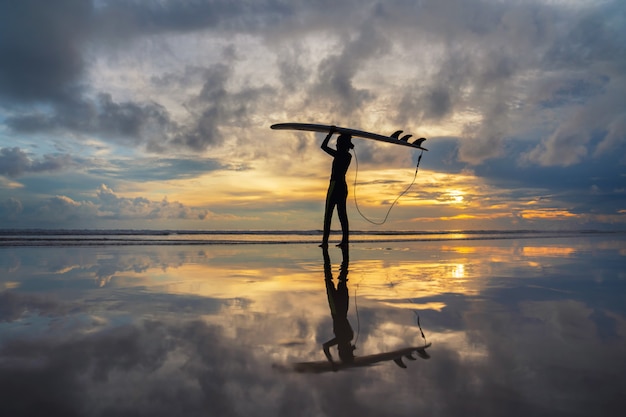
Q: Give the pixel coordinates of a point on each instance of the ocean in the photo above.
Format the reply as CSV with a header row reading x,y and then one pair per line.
x,y
266,323
38,237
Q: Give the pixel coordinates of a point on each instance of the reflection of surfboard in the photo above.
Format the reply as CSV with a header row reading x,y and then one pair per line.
x,y
359,361
393,138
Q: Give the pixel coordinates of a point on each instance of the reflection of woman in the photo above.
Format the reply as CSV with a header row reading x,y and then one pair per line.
x,y
337,189
338,301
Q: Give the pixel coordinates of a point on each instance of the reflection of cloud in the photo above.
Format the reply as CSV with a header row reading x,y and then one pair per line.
x,y
499,348
159,366
82,264
13,306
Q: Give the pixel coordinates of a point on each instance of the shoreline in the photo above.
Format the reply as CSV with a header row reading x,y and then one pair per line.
x,y
140,238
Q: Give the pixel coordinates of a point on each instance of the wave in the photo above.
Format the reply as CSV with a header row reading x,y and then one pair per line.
x,y
97,237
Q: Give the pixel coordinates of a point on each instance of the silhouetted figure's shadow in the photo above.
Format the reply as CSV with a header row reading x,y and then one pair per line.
x,y
338,302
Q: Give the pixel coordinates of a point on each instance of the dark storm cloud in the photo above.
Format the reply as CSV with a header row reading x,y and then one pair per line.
x,y
42,43
41,48
130,119
336,73
149,124
293,72
490,47
43,51
216,108
210,106
15,162
127,122
158,169
594,186
139,17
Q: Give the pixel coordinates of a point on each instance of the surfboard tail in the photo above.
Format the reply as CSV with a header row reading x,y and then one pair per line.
x,y
419,142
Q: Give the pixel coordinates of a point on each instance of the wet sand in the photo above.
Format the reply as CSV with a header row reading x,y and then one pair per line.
x,y
517,326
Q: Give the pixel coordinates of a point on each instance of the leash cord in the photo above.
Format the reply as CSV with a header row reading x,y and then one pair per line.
x,y
358,319
356,174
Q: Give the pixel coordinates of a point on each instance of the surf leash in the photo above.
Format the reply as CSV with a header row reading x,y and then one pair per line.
x,y
419,159
358,319
414,310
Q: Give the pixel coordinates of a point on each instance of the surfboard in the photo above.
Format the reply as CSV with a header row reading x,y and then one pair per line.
x,y
362,361
394,138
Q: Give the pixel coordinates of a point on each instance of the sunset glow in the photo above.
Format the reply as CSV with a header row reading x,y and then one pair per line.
x,y
130,114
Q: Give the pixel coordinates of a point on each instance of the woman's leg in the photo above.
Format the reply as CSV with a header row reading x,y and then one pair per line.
x,y
342,212
328,213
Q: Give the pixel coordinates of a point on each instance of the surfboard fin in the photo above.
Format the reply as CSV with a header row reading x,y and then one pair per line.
x,y
423,354
396,134
405,138
410,357
399,362
419,142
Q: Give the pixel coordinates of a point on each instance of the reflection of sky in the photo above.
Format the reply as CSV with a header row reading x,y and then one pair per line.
x,y
532,327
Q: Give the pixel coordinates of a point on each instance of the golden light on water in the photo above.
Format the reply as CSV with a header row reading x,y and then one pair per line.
x,y
548,251
399,280
458,271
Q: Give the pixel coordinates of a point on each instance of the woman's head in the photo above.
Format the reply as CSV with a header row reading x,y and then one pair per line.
x,y
344,141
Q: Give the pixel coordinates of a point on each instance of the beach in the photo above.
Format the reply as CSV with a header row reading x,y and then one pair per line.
x,y
528,324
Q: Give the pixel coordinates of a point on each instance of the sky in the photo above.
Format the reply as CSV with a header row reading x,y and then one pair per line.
x,y
156,114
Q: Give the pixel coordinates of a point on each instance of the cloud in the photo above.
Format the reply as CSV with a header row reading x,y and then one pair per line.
x,y
128,123
335,84
190,79
461,58
62,208
589,60
216,107
135,18
11,208
157,169
593,129
110,205
149,125
41,48
15,162
13,306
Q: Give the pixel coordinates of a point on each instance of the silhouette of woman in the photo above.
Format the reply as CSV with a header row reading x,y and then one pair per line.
x,y
337,189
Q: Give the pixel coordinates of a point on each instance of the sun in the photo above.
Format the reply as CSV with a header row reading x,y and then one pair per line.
x,y
456,196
